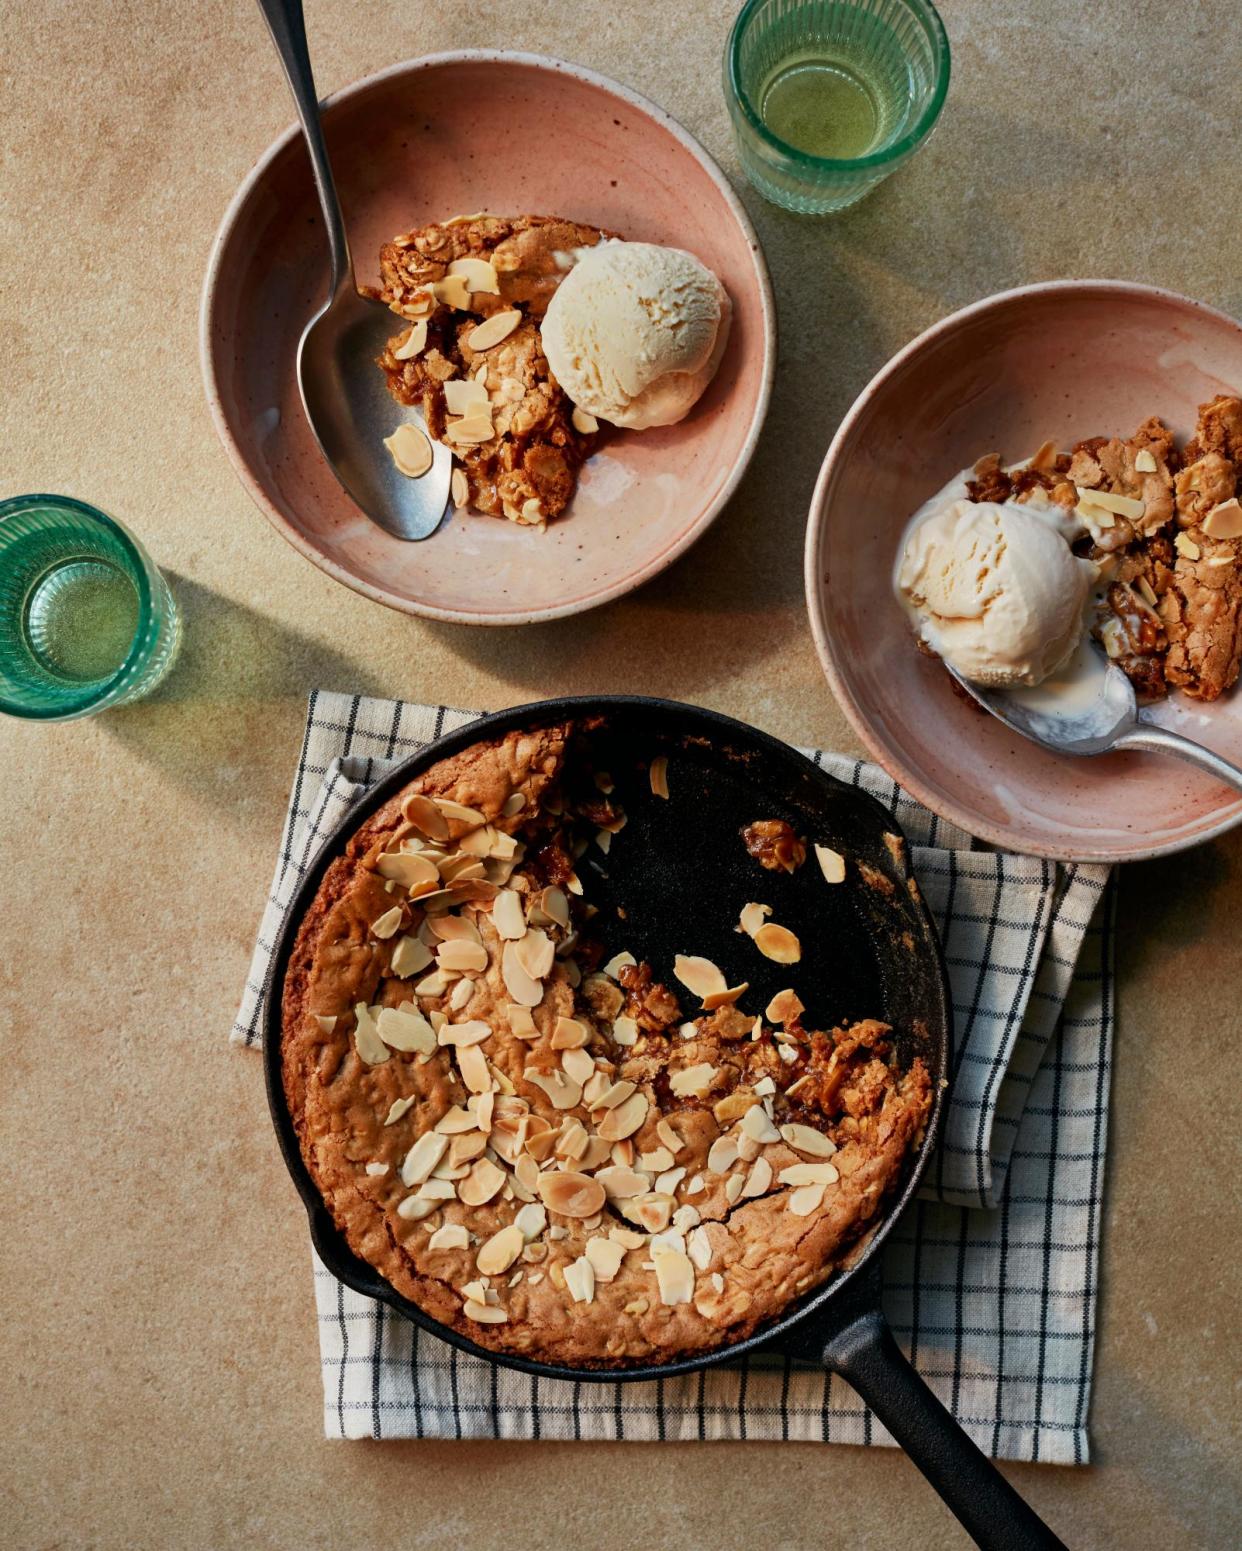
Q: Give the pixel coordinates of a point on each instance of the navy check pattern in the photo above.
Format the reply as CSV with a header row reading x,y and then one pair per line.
x,y
990,1279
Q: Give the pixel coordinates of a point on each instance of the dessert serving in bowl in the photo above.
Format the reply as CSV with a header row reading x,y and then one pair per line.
x,y
431,202
1048,467
607,1039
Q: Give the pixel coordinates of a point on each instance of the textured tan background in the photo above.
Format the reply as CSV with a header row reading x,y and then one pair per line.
x,y
160,1380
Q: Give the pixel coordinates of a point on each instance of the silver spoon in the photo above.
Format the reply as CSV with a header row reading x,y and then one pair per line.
x,y
1090,708
343,391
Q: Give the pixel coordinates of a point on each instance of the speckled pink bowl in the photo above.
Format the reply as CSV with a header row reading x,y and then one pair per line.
x,y
419,142
1064,360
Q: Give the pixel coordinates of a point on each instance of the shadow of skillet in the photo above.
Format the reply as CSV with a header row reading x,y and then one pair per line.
x,y
241,680
1171,902
737,596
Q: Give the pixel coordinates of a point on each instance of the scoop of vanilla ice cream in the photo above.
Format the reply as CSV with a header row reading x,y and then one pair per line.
x,y
995,589
634,333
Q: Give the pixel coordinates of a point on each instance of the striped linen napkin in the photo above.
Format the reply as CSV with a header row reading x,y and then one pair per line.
x,y
990,1278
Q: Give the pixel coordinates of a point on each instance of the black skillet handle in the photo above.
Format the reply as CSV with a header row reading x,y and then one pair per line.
x,y
865,1354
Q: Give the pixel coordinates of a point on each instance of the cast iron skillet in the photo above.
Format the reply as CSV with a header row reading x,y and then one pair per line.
x,y
870,949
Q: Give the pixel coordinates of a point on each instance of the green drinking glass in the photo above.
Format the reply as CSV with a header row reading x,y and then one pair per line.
x,y
86,620
828,97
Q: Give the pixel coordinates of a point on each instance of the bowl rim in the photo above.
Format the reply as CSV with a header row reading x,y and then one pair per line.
x,y
816,594
254,486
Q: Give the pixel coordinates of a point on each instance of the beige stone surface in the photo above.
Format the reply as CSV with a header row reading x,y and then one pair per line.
x,y
160,1383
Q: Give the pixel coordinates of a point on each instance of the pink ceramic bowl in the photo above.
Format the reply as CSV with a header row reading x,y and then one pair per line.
x,y
432,138
1064,361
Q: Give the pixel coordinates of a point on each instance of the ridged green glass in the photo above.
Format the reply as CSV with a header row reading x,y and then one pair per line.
x,y
882,65
86,620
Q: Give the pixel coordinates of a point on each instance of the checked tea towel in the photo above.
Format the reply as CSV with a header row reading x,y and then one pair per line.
x,y
990,1278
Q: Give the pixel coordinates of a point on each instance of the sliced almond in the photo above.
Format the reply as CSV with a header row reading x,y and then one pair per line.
x,y
753,916
805,1200
452,291
625,1031
618,962
658,1159
326,1021
484,1313
808,1141
521,986
693,1081
809,1174
471,430
580,1280
760,1178
1144,462
785,1007
410,449
481,1184
778,944
507,916
426,816
409,957
377,1170
492,330
578,1065
535,952
722,1155
459,488
569,1034
452,1235
417,872
583,422
385,926
1122,505
399,1107
1183,544
699,976
658,775
472,1064
414,1208
465,396
674,1274
1224,521
456,1120
757,1125
462,956
622,1184
570,1194
414,343
699,1248
370,1047
625,1119
479,275
498,1253
423,1157
562,1090
1148,592
724,998
614,1094
472,1032
831,864
605,1256
466,1148
404,1028
553,904
532,1219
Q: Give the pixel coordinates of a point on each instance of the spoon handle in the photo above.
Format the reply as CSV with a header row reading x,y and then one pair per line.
x,y
1158,740
288,29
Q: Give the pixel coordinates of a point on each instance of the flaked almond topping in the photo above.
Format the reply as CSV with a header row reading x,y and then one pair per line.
x,y
569,1034
454,1121
412,868
459,488
699,976
577,1065
463,956
452,1235
1224,521
472,1032
326,1021
414,1208
377,1170
492,330
484,1313
659,775
580,1280
507,916
657,1159
625,1119
1144,462
466,1148
765,1088
471,430
809,1141
410,450
651,1212
603,839
405,1028
414,343
722,1155
1095,516
531,1219
669,1136
452,291
693,1081
753,916
1183,544
479,275
666,1184
733,1106
386,925
605,1256
674,1274
1122,505
535,952
460,995
572,1139
478,1290
570,1194
521,1022
458,813
1046,457
625,1031
439,1187
532,510
622,1184
724,998
733,1187
484,1180
370,1047
805,1200
472,1064
615,1093
426,816
423,1157
699,1248
1148,592
522,987
831,864
784,1008
618,962
464,396
809,1174
778,944
758,1126
561,1089
498,1253
397,1108
584,422
694,1185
